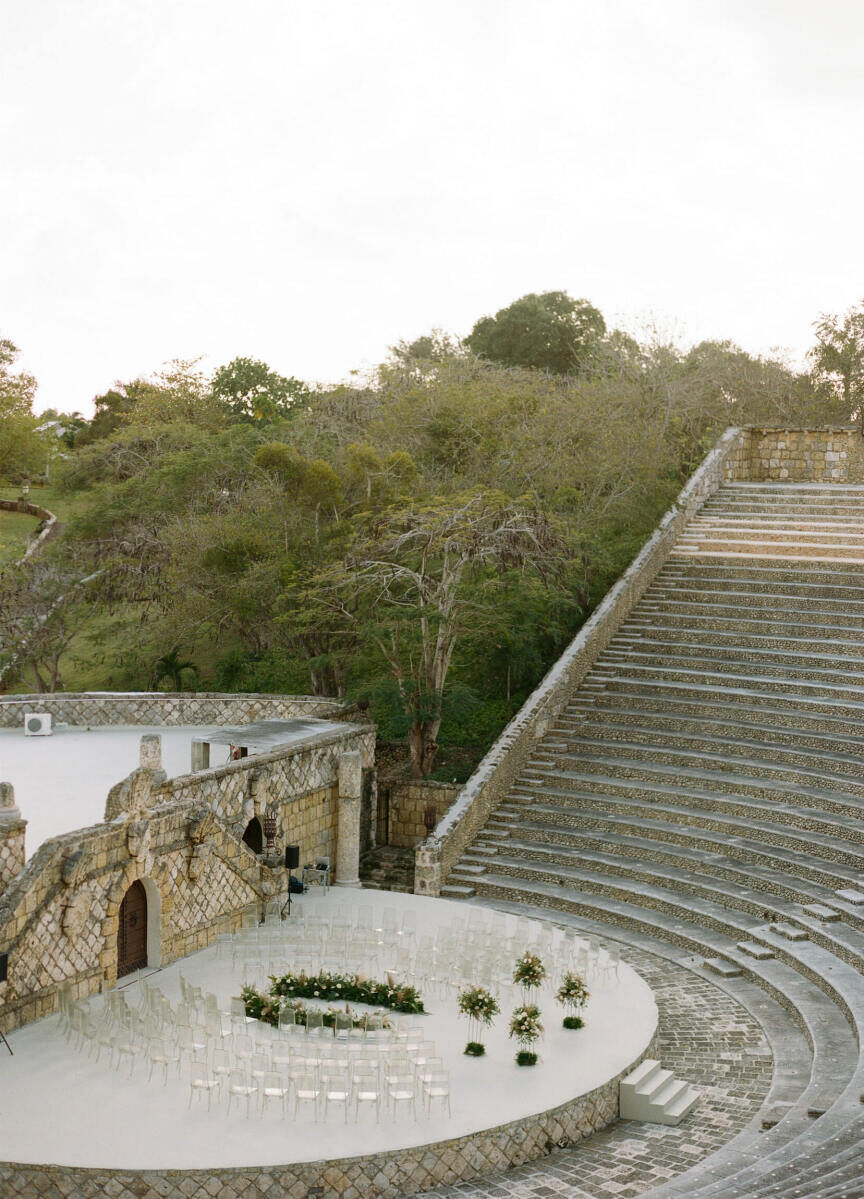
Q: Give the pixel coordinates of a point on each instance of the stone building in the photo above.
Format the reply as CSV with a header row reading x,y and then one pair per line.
x,y
174,862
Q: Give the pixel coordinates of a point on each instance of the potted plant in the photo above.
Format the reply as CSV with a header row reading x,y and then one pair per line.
x,y
529,973
525,1026
573,994
481,1008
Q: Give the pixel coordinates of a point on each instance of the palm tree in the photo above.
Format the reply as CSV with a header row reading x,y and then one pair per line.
x,y
170,666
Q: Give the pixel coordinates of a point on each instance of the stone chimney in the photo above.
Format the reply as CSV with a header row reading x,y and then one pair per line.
x,y
12,855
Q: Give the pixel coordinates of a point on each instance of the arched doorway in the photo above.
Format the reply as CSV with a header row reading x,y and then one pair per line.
x,y
254,835
132,931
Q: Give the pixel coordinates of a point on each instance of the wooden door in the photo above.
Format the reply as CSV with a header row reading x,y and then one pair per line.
x,y
132,933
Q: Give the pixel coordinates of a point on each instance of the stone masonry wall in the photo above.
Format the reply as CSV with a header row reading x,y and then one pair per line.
x,y
830,455
94,708
490,782
407,806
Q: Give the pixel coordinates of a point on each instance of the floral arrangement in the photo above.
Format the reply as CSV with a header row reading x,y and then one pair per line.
x,y
525,1026
529,971
343,988
265,1008
573,994
481,1007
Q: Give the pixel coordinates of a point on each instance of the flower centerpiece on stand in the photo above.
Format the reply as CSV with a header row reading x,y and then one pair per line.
x,y
573,994
481,1008
525,1026
529,973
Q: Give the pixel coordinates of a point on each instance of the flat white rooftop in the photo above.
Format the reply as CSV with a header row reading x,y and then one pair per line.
x,y
62,781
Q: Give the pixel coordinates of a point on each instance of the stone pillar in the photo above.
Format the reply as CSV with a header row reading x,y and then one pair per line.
x,y
427,868
150,752
200,756
12,855
348,832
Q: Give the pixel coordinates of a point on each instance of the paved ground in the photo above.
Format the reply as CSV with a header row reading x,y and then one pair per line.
x,y
707,1038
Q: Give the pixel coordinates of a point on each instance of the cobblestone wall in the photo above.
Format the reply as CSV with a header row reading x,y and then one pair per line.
x,y
830,455
93,708
381,1175
489,783
407,807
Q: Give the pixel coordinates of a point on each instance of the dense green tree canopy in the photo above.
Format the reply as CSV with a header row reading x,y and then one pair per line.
x,y
550,331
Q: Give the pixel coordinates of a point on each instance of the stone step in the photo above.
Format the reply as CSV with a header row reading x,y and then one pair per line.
x,y
722,968
824,831
629,753
791,932
717,850
707,900
456,891
754,950
610,774
821,912
603,729
732,707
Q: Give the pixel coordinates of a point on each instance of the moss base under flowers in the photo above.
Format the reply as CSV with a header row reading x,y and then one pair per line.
x,y
573,1022
474,1049
526,1058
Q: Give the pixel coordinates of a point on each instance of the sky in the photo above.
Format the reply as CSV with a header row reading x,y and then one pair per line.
x,y
308,183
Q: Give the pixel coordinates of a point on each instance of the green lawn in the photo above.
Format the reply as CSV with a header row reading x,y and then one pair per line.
x,y
15,531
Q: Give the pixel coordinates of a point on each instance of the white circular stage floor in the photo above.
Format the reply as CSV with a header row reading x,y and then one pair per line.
x,y
60,1107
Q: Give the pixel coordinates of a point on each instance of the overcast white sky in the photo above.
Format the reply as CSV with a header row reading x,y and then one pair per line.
x,y
308,182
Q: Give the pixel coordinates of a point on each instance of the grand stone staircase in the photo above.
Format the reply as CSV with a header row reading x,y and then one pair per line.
x,y
705,787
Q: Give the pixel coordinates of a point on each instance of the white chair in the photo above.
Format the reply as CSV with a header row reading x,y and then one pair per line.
x,y
401,1093
272,1088
437,1087
336,1089
306,1093
202,1082
240,1088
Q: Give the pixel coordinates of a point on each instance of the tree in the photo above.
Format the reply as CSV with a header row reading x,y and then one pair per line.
x,y
253,392
171,666
39,602
22,450
837,360
550,331
425,575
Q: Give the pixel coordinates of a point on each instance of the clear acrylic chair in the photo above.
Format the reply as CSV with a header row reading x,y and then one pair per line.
x,y
315,1023
241,1089
273,1088
336,1090
401,1094
436,1088
202,1082
306,1094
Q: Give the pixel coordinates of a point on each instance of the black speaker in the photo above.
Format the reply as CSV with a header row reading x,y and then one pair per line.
x,y
4,966
292,856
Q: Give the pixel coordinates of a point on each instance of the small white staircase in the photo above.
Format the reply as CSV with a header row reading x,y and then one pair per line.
x,y
653,1094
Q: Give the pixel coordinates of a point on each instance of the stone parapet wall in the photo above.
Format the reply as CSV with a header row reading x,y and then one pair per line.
x,y
378,1176
829,455
407,806
492,779
92,709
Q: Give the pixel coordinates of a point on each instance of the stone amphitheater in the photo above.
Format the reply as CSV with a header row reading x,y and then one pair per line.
x,y
697,799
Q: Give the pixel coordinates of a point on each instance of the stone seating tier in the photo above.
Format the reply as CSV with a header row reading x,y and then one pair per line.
x,y
703,787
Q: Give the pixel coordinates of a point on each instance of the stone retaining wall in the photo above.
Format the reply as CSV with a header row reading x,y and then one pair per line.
x,y
92,709
377,1176
830,455
492,779
407,807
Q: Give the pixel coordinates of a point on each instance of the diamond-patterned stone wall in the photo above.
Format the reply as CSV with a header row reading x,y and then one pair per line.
x,y
95,709
377,1176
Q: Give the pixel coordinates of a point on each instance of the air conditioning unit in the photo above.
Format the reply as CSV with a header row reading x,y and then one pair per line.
x,y
37,724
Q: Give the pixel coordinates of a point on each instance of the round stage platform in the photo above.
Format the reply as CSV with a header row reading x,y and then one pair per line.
x,y
61,1107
